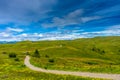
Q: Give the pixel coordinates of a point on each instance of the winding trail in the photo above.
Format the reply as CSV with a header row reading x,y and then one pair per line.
x,y
85,74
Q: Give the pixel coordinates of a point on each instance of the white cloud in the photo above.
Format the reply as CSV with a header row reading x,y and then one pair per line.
x,y
86,19
60,35
103,33
23,35
37,35
114,27
40,36
4,34
10,34
14,29
72,18
109,31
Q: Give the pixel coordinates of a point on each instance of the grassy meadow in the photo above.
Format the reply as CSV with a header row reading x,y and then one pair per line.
x,y
14,69
99,54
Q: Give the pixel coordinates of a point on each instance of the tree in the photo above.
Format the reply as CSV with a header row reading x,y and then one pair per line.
x,y
36,53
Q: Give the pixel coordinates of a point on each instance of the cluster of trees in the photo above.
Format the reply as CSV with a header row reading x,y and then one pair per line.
x,y
98,50
37,54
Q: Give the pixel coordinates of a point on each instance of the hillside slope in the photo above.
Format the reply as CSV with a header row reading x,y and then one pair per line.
x,y
99,54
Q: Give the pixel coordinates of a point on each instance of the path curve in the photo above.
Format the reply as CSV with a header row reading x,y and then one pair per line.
x,y
84,74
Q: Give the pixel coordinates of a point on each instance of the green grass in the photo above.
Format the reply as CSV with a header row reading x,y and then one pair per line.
x,y
100,54
10,69
78,55
70,64
30,75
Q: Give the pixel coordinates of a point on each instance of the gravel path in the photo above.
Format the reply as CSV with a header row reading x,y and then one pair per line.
x,y
85,74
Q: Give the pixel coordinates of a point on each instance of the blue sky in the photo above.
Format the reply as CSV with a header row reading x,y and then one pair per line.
x,y
58,19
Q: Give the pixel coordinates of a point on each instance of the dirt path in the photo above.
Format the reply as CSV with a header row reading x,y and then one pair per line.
x,y
85,74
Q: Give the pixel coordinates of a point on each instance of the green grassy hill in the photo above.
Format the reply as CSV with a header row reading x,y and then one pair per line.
x,y
99,54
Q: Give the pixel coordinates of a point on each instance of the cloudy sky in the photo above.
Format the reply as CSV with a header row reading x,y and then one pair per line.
x,y
58,19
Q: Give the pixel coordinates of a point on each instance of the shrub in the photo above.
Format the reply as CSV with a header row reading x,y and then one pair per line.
x,y
92,63
103,52
27,53
51,60
23,65
98,50
46,56
16,59
45,67
12,55
4,52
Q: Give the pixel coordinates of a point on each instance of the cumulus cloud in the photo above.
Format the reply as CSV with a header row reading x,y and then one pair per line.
x,y
9,33
59,35
75,17
19,37
4,34
54,35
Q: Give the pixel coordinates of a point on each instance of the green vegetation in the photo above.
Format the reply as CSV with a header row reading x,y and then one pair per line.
x,y
36,53
12,55
51,60
99,54
11,69
17,59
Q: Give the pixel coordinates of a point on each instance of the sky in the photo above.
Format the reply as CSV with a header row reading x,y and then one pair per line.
x,y
58,19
